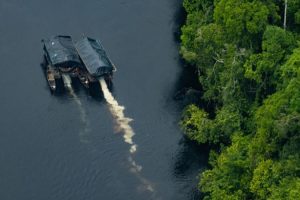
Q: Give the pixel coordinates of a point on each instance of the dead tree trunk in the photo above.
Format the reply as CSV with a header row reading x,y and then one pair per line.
x,y
285,10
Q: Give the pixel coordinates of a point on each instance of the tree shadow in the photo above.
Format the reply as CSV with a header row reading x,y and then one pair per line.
x,y
191,160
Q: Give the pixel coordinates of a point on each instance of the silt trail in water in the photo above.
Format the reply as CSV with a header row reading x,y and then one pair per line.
x,y
122,125
83,116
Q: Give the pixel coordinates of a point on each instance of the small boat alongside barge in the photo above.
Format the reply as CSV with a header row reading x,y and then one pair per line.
x,y
52,75
51,80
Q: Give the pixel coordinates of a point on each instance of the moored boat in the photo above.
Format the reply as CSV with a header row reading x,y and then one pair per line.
x,y
51,79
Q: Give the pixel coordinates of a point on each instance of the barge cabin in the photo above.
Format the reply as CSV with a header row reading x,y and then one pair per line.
x,y
61,58
95,60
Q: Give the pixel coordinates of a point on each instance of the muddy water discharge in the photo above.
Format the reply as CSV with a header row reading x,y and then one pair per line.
x,y
123,126
82,113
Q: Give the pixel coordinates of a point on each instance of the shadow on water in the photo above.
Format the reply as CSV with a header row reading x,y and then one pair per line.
x,y
192,158
187,88
179,19
95,91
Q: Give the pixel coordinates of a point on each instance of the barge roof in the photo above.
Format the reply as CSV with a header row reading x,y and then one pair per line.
x,y
94,56
60,51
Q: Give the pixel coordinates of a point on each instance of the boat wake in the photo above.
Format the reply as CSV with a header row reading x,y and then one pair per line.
x,y
83,116
122,125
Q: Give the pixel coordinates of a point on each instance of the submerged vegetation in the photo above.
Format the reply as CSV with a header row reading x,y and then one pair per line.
x,y
247,53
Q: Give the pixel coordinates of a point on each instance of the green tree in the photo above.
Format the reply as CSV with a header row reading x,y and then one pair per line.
x,y
196,124
230,177
244,20
264,68
249,69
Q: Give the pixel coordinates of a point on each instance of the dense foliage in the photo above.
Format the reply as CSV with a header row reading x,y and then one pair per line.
x,y
249,69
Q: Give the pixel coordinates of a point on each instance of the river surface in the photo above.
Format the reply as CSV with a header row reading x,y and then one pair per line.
x,y
66,147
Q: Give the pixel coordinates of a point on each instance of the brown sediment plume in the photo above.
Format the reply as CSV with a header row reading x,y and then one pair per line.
x,y
122,125
83,116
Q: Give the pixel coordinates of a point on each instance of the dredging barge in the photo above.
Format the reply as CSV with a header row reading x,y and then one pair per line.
x,y
95,60
85,59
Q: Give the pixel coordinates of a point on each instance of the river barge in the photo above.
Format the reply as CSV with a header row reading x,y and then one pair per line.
x,y
95,60
85,59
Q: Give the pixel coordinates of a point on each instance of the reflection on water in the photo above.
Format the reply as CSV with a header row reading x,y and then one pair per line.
x,y
189,163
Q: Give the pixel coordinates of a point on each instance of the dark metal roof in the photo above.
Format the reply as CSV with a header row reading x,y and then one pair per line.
x,y
60,50
94,56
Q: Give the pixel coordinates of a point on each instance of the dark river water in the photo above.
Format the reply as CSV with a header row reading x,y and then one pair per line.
x,y
48,150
